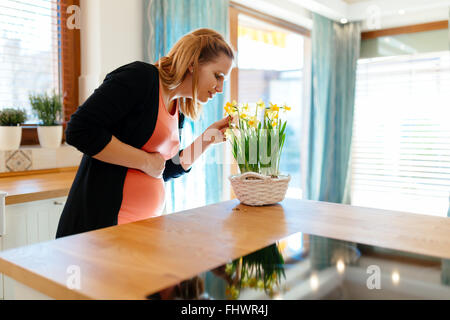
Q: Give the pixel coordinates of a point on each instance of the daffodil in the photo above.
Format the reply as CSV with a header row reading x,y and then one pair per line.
x,y
245,126
260,104
243,116
228,269
252,282
228,110
232,292
272,115
274,107
231,108
260,284
253,122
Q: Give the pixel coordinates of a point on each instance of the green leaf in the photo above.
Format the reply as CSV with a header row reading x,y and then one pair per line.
x,y
10,117
47,108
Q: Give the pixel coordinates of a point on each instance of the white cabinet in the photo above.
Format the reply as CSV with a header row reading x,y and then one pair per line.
x,y
25,224
31,222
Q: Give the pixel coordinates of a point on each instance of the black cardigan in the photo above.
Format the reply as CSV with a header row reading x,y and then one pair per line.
x,y
126,106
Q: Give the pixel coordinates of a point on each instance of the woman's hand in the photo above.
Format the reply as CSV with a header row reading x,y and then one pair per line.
x,y
154,164
216,132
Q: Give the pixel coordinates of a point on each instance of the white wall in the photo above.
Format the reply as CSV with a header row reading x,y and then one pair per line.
x,y
111,36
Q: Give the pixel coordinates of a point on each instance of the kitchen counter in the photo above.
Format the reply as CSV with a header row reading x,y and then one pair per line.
x,y
134,260
38,185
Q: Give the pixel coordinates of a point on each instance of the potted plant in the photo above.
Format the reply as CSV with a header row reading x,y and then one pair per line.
x,y
257,138
10,129
48,110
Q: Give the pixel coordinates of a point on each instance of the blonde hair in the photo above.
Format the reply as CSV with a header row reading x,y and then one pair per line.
x,y
195,48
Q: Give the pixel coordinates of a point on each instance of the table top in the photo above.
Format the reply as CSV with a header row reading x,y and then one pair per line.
x,y
305,267
136,260
38,185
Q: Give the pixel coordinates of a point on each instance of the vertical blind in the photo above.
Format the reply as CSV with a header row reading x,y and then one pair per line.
x,y
29,50
401,135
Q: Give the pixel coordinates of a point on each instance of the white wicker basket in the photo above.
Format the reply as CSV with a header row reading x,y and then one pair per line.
x,y
255,189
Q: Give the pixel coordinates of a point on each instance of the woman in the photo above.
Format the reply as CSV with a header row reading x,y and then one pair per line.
x,y
128,130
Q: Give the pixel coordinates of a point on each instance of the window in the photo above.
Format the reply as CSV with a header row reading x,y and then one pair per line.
x,y
401,135
270,62
29,54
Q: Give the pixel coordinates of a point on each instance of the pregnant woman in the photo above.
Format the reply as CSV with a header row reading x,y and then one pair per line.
x,y
129,131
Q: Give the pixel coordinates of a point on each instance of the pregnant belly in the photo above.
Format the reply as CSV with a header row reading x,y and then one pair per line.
x,y
143,197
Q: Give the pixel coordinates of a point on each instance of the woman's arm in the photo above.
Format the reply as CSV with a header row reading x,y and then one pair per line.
x,y
122,154
190,154
213,135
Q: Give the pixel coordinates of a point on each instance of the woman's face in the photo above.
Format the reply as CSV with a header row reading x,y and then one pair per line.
x,y
211,77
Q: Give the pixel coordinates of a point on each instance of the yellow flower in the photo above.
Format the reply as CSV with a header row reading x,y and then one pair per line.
x,y
228,269
272,115
227,109
245,107
274,123
274,107
253,122
286,107
260,104
230,108
260,284
232,292
244,116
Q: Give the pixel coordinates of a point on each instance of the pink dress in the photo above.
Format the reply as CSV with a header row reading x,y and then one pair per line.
x,y
143,195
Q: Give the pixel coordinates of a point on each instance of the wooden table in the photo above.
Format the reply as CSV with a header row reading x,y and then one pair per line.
x,y
133,260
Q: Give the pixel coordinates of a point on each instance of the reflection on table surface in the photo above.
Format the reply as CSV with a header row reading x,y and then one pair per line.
x,y
305,266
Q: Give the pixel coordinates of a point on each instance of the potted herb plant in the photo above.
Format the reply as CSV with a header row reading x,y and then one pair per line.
x,y
10,129
257,140
48,109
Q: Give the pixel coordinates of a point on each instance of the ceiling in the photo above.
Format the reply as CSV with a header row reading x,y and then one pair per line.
x,y
374,14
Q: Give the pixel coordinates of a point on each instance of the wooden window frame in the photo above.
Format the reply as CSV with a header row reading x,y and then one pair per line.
x,y
70,71
234,10
430,26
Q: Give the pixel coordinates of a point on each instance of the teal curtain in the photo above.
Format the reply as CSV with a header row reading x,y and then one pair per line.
x,y
335,52
165,22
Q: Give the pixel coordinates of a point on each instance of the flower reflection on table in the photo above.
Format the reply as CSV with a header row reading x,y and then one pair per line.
x,y
261,270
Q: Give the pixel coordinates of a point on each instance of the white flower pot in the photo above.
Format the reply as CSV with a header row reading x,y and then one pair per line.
x,y
50,136
10,137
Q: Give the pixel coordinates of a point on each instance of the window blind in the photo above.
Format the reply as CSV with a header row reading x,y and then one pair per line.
x,y
29,51
401,135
